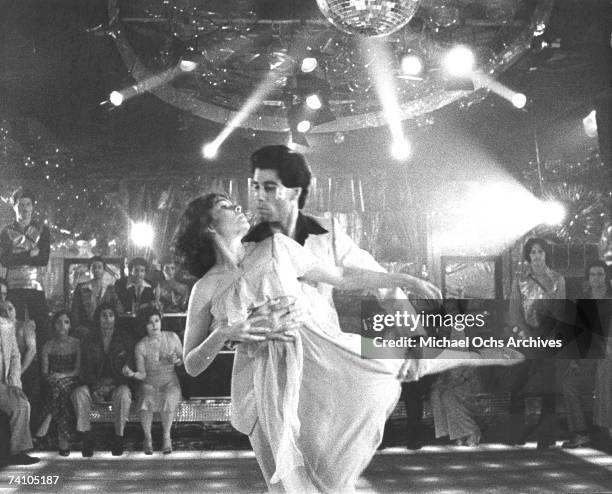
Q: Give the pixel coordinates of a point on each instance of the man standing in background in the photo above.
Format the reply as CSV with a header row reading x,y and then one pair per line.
x,y
24,250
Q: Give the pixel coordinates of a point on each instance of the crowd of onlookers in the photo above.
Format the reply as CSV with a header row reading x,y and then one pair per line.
x,y
108,347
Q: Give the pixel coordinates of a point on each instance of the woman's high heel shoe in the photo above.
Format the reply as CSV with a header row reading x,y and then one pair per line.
x,y
167,447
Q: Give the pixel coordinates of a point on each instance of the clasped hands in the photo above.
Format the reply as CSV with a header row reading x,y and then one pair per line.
x,y
276,322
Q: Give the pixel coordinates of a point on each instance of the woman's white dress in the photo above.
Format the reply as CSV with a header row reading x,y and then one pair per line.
x,y
314,405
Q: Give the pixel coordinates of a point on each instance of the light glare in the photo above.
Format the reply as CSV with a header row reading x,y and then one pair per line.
x,y
303,126
412,65
309,64
400,150
116,98
210,150
188,65
459,61
519,100
142,234
553,213
314,102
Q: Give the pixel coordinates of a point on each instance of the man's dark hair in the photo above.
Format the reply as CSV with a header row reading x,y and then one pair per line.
x,y
21,192
291,167
97,259
543,244
138,261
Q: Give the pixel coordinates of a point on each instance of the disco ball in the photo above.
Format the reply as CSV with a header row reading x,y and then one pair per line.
x,y
368,17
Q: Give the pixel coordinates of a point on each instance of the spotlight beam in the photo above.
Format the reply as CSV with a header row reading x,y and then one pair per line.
x,y
250,105
148,84
483,80
380,68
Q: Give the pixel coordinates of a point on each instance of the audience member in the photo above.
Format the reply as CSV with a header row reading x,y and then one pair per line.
x,y
157,355
451,401
106,357
174,295
13,401
24,250
90,294
135,292
602,410
536,304
61,363
25,332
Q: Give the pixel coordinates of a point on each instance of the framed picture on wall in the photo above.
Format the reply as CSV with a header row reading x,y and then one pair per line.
x,y
472,277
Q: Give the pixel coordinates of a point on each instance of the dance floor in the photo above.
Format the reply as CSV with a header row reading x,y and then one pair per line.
x,y
441,469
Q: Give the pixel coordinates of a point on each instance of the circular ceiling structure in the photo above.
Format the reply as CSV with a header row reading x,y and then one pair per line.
x,y
230,46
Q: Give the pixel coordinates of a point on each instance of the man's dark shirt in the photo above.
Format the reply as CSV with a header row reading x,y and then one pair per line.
x,y
304,226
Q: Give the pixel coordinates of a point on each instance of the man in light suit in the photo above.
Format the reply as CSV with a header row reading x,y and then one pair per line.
x,y
13,401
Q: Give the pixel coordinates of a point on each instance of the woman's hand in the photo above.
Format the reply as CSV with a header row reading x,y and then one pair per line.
x,y
255,328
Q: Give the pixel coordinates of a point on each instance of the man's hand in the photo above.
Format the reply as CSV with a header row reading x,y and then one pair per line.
x,y
34,252
425,289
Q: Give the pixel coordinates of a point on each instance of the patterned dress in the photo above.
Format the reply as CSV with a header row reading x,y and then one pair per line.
x,y
57,397
160,390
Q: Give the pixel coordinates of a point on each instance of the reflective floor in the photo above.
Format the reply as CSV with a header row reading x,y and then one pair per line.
x,y
441,469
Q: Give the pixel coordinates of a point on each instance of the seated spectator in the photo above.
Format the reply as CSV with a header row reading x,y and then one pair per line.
x,y
588,325
451,396
106,355
61,363
25,332
174,295
90,294
13,401
3,290
135,292
157,355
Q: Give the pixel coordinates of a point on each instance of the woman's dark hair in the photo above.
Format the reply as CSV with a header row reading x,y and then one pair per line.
x,y
142,319
4,308
57,315
543,244
98,311
587,272
291,167
193,245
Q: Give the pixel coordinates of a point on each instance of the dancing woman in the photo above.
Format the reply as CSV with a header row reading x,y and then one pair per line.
x,y
313,409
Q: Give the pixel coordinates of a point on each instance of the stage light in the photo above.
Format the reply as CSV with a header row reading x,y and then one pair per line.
x,y
187,65
412,65
553,213
314,102
459,61
210,150
400,150
589,124
116,98
309,64
519,100
303,126
142,234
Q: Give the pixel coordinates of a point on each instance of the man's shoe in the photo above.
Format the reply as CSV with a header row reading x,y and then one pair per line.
x,y
545,445
414,444
576,442
22,459
88,449
118,446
